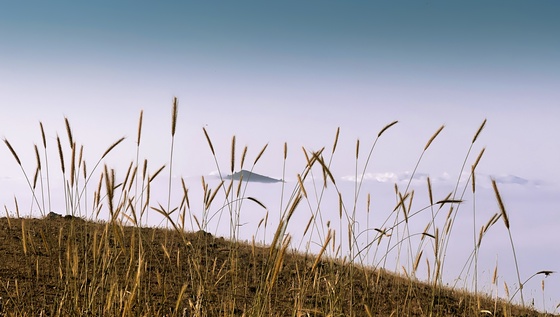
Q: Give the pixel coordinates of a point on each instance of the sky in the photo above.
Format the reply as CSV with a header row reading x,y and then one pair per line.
x,y
294,72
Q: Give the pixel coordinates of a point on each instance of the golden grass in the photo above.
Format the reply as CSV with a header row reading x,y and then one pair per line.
x,y
503,212
433,137
12,151
67,266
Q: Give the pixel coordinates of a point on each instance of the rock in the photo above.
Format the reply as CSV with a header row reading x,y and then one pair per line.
x,y
53,215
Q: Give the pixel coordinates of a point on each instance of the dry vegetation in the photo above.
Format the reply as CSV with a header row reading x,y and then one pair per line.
x,y
67,266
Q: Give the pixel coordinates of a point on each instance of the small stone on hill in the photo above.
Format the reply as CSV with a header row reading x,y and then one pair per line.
x,y
53,215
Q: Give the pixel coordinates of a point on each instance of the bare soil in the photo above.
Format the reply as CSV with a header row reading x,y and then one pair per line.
x,y
64,266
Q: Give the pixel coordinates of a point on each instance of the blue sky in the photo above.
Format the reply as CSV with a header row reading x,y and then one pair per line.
x,y
318,65
294,71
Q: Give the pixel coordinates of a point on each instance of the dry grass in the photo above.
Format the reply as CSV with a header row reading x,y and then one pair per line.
x,y
74,267
66,266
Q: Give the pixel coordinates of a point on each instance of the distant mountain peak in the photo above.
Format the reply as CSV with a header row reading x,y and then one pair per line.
x,y
249,176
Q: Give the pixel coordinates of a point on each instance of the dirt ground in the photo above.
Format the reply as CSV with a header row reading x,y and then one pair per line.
x,y
62,266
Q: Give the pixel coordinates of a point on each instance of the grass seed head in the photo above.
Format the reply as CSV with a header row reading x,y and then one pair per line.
x,y
336,139
174,116
110,148
433,137
13,151
233,154
243,156
139,133
478,158
545,272
479,130
73,165
69,131
302,188
37,157
386,127
60,154
260,154
505,217
43,135
209,141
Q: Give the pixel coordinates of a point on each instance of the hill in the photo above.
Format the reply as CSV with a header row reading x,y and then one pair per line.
x,y
249,176
63,266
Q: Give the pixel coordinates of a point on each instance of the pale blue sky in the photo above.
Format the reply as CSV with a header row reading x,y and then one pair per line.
x,y
294,71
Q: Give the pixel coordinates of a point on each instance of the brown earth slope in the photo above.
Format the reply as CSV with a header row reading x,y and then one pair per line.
x,y
61,266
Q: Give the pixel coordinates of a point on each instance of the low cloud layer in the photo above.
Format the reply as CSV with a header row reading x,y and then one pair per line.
x,y
417,178
391,177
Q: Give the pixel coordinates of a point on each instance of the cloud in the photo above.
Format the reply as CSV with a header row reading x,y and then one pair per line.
x,y
388,177
419,177
511,179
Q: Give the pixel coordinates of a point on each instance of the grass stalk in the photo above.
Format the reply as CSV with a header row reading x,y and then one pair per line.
x,y
505,218
123,267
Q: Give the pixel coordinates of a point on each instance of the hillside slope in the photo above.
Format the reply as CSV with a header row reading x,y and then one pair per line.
x,y
61,266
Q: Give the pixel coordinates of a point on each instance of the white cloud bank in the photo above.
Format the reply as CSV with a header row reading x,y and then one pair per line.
x,y
418,178
391,177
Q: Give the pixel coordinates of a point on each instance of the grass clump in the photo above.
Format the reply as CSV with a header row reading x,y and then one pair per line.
x,y
61,265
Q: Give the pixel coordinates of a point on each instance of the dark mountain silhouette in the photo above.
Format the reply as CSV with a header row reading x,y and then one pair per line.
x,y
248,176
